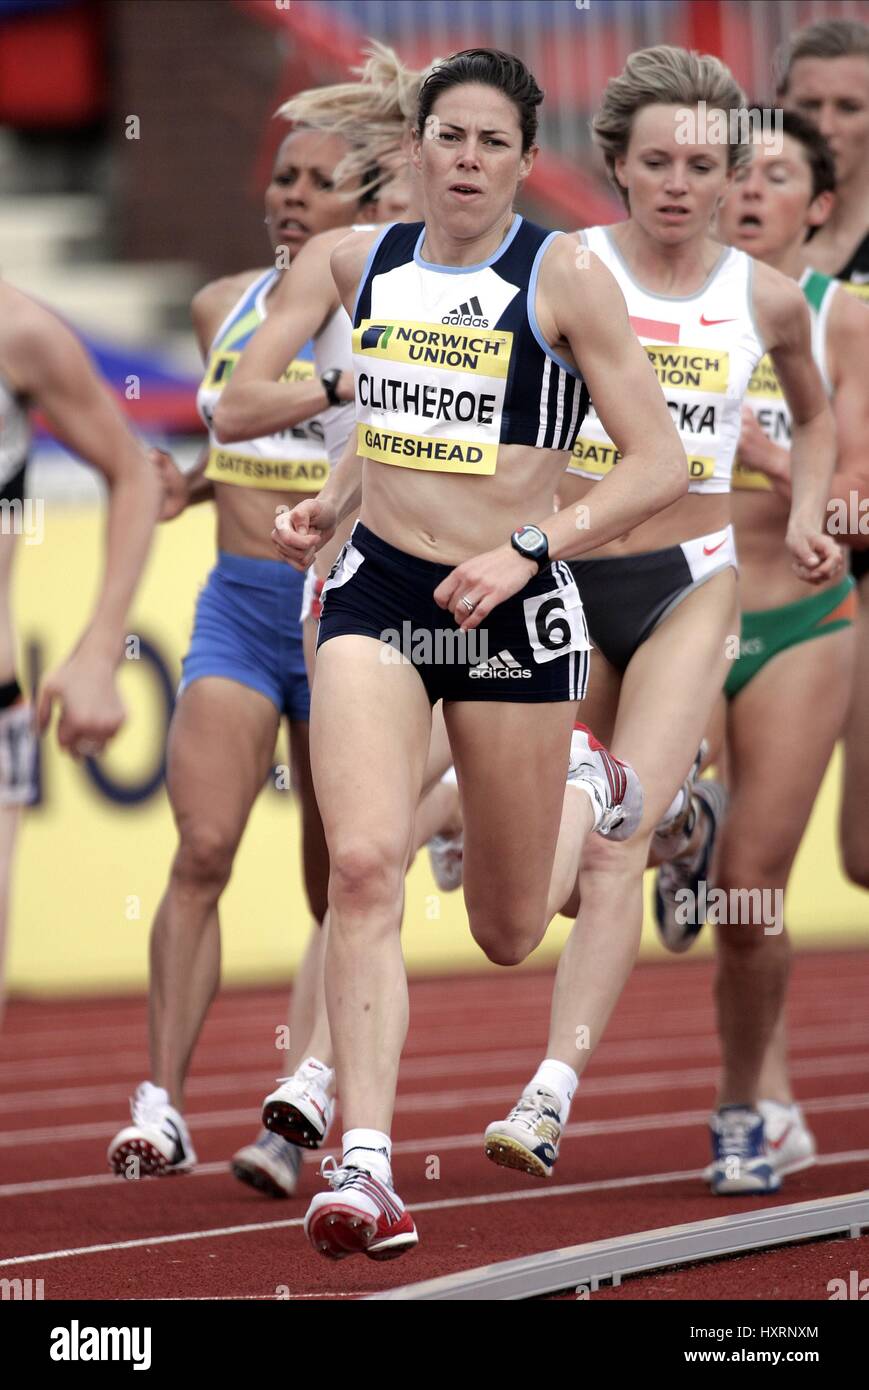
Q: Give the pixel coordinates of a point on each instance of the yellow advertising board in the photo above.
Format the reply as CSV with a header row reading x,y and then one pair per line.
x,y
95,852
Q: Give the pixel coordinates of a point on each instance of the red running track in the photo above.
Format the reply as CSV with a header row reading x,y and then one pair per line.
x,y
631,1161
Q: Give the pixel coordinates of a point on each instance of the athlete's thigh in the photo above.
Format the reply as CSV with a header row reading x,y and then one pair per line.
x,y
370,732
221,743
855,787
511,760
599,707
781,731
440,754
670,688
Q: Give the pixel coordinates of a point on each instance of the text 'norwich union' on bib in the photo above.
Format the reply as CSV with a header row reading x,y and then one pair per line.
x,y
449,361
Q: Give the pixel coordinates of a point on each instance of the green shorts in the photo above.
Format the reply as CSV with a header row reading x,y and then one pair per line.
x,y
772,630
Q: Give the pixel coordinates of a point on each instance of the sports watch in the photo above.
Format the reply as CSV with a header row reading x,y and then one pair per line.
x,y
531,542
329,382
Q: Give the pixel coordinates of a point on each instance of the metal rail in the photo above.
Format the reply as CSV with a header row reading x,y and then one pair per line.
x,y
602,1261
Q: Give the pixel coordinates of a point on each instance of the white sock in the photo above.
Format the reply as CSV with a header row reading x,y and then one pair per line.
x,y
558,1077
370,1149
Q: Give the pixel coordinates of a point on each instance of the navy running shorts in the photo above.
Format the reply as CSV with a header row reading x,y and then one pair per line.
x,y
533,648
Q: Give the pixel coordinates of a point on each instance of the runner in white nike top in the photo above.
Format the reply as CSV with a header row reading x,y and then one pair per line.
x,y
466,418
661,601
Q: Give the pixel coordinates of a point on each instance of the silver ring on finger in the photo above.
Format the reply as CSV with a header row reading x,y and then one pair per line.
x,y
466,603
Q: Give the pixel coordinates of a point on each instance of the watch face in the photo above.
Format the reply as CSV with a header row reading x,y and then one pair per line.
x,y
529,537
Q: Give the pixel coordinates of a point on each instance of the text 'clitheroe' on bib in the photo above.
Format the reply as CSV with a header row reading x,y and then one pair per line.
x,y
430,396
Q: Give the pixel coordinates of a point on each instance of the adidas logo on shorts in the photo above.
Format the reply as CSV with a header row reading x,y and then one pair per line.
x,y
503,666
468,315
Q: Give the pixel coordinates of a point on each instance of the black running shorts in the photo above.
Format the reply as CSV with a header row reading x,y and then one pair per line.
x,y
533,648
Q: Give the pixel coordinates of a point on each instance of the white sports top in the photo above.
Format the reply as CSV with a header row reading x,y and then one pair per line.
x,y
704,348
292,460
765,397
15,433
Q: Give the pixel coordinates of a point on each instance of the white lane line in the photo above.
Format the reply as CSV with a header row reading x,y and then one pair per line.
x,y
409,1102
610,1052
447,1143
446,1204
426,1102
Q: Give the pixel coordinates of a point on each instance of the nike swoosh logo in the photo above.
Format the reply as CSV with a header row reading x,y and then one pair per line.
x,y
176,1137
710,323
711,551
777,1143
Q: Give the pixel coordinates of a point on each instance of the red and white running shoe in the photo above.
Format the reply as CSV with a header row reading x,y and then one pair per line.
x,y
360,1216
614,789
301,1109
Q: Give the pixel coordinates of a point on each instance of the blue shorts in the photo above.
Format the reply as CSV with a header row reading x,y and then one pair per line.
x,y
532,648
247,629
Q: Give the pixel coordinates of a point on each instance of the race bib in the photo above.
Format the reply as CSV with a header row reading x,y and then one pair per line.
x,y
555,622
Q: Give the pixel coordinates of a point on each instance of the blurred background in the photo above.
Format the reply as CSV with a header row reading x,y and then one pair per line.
x,y
136,138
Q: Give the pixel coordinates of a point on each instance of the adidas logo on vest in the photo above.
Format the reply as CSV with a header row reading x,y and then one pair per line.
x,y
468,315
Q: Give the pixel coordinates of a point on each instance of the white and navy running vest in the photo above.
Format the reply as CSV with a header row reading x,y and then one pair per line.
x,y
703,347
294,459
15,434
765,396
450,362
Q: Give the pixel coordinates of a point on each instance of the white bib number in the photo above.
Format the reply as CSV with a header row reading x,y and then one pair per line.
x,y
556,623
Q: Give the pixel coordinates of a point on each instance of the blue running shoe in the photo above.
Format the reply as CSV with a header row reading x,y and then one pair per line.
x,y
741,1162
677,884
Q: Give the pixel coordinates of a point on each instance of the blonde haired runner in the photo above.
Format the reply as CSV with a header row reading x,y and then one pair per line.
x,y
661,598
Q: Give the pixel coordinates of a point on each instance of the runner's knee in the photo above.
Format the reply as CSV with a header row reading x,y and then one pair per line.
x,y
506,934
205,855
365,874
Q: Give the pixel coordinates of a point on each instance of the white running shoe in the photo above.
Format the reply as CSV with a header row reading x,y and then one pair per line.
x,y
528,1138
446,856
157,1142
360,1216
301,1109
270,1164
614,788
789,1140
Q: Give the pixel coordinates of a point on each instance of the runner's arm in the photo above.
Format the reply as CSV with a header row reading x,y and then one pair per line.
x,y
579,303
54,370
255,401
